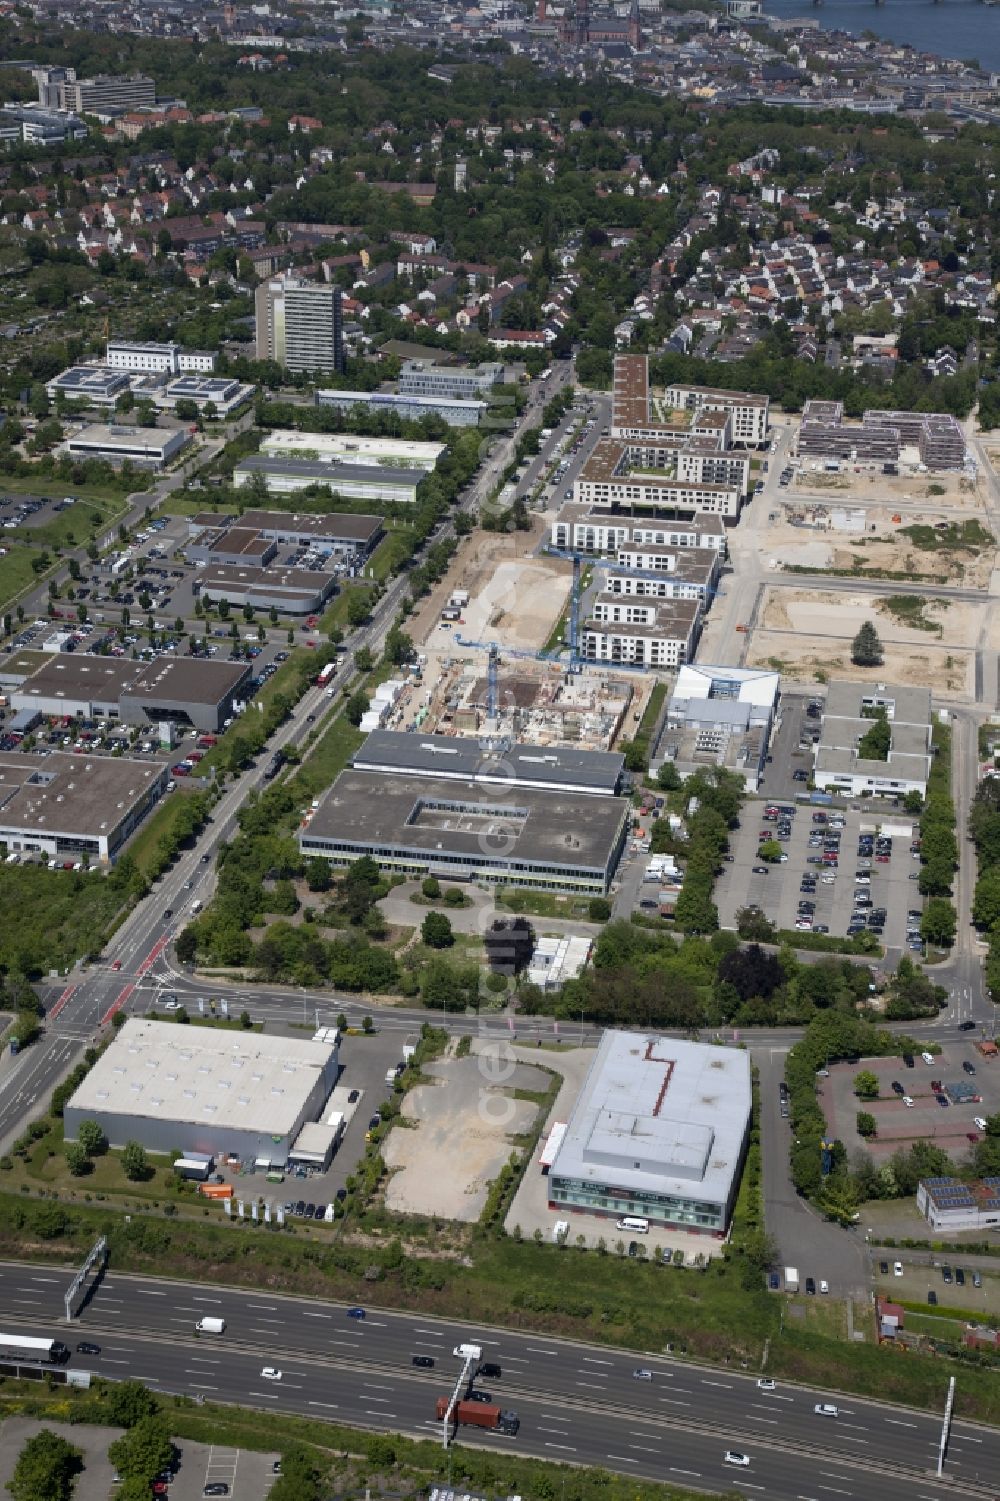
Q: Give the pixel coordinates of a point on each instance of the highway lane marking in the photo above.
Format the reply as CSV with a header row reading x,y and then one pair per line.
x,y
588,1359
833,1489
332,1405
566,1448
196,1299
199,1386
560,1431
150,1292
315,1315
967,1439
45,1279
726,1385
375,1399
537,1350
761,1407
378,1323
591,1386
272,1396
376,1386
206,1359
263,1307
899,1423
110,1360
373,1412
749,1486
829,1475
516,1359
673,1403
429,1343
695,1473
623,1459
644,1449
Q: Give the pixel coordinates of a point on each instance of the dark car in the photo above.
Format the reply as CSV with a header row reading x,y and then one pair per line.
x,y
810,1284
355,1313
774,1282
425,1362
86,1348
966,1026
959,1276
490,1370
942,1100
883,1267
479,1397
310,1210
375,1120
932,1298
216,1488
340,1195
946,1274
897,1088
205,859
970,1068
300,1207
908,1060
354,1096
633,1248
168,913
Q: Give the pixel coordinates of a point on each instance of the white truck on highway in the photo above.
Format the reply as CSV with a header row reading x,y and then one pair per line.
x,y
791,1280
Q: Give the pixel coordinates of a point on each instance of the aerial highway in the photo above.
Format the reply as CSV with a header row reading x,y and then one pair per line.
x,y
576,1402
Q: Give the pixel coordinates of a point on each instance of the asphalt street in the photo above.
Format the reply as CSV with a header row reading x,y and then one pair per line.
x,y
576,1402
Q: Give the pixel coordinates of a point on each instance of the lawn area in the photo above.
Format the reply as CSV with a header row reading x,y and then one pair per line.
x,y
164,818
75,527
328,756
16,572
542,903
393,551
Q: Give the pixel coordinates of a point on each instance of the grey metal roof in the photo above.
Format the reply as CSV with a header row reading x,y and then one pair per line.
x,y
527,765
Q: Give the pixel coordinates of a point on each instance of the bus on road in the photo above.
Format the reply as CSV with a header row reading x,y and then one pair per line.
x,y
32,1351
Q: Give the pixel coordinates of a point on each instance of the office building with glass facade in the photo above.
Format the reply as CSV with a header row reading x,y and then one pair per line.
x,y
660,1132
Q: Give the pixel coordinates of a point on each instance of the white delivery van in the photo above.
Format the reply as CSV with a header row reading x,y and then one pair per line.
x,y
210,1326
633,1224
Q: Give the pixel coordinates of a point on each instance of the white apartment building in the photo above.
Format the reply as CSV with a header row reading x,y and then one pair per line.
x,y
158,359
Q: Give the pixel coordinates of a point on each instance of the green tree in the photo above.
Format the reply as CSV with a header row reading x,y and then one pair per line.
x,y
319,873
92,1139
363,659
436,931
770,850
866,648
865,1123
430,886
128,1402
986,901
45,1468
357,608
695,911
939,923
866,1085
144,1450
356,707
77,1159
598,909
875,743
668,777
135,1164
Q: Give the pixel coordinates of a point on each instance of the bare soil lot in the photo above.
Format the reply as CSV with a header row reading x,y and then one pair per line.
x,y
810,632
464,1129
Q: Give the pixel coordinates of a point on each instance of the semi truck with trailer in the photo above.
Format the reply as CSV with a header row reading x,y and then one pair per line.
x,y
479,1415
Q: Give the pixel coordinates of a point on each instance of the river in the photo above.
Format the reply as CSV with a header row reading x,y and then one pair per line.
x,y
964,29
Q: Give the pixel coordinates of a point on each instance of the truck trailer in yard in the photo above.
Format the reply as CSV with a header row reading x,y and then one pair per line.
x,y
480,1415
791,1280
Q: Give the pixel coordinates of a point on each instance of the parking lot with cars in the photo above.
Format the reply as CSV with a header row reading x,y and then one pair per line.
x,y
942,1097
842,871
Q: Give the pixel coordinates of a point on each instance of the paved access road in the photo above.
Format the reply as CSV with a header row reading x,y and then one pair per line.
x,y
576,1402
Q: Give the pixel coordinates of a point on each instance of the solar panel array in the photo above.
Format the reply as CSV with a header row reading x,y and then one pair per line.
x,y
952,1193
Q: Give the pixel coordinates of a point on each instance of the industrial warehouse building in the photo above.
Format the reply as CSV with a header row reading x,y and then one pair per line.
x,y
147,447
547,819
68,807
196,1089
185,689
660,1130
368,482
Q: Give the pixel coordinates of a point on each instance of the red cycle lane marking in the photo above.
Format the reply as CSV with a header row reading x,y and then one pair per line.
x,y
61,1002
117,1004
153,955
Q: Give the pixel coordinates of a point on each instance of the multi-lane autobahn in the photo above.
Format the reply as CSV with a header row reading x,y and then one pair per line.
x,y
576,1402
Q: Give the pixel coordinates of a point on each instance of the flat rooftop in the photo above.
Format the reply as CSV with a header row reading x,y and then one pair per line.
x,y
61,794
91,381
423,816
527,765
237,1080
336,525
76,678
330,471
188,680
661,1116
350,449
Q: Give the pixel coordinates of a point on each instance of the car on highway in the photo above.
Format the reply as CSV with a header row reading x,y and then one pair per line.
x,y
765,1384
117,964
168,913
642,1374
85,1347
480,1397
423,1362
980,1123
735,1457
270,1373
826,1410
966,1026
490,1370
355,1313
